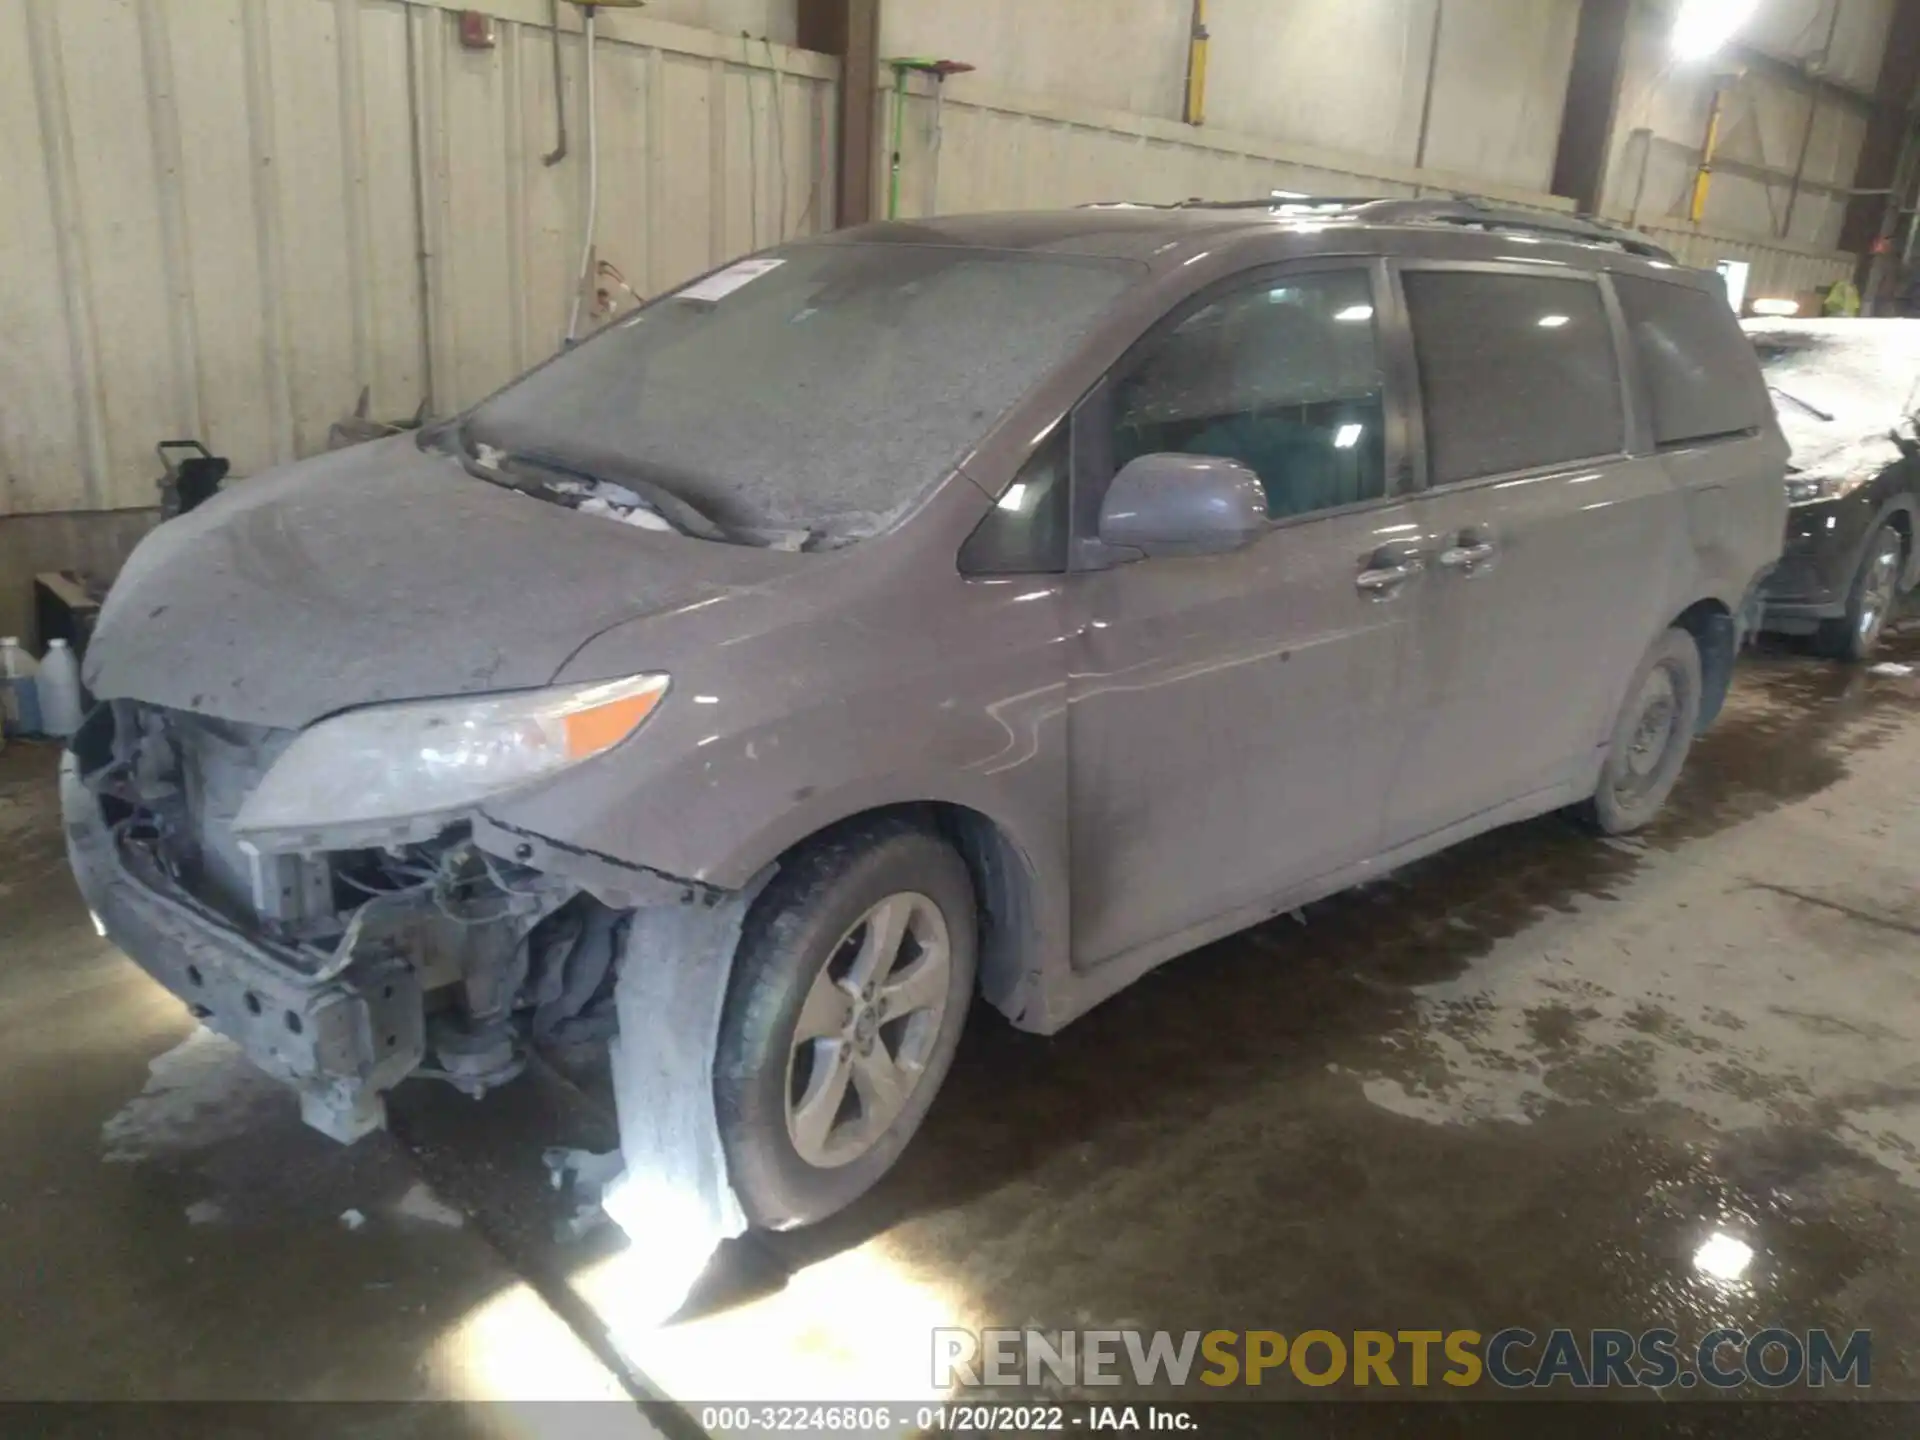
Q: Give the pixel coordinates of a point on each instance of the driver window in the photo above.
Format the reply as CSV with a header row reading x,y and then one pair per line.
x,y
1282,375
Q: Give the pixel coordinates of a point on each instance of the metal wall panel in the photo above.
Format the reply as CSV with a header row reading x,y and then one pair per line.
x,y
1665,105
1777,270
998,150
226,217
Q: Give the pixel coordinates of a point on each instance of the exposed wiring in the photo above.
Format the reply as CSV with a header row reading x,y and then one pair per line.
x,y
609,271
381,892
499,880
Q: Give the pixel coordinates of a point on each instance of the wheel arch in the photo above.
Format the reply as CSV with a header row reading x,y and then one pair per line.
x,y
1900,513
1716,634
1015,923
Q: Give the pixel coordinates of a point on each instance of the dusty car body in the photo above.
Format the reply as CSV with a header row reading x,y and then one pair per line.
x,y
1238,584
1848,394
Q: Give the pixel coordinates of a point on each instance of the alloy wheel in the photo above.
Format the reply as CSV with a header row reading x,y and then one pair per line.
x,y
866,1030
1879,587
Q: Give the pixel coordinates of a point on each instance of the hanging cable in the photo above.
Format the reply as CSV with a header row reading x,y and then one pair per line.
x,y
585,276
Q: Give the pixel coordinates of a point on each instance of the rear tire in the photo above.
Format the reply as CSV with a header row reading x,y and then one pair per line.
x,y
1651,736
849,991
1870,599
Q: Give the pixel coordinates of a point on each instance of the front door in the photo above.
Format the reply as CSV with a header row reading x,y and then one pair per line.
x,y
1232,717
1548,548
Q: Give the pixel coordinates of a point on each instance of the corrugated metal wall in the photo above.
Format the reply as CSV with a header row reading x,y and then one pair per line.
x,y
1004,151
1001,150
1777,269
226,217
1774,123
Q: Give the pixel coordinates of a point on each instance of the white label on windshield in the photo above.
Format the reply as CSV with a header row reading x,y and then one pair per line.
x,y
723,283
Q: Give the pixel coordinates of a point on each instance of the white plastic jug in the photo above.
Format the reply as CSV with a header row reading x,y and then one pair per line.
x,y
59,690
19,696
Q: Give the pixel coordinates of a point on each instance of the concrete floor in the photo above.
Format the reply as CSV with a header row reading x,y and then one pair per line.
x,y
1518,1084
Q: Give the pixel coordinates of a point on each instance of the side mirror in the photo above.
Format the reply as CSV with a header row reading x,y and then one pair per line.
x,y
1183,505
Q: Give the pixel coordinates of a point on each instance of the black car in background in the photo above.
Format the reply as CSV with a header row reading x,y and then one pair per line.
x,y
1847,393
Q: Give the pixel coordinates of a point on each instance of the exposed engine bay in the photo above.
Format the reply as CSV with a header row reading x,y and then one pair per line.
x,y
341,970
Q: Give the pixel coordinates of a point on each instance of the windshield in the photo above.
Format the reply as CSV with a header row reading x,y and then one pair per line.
x,y
821,388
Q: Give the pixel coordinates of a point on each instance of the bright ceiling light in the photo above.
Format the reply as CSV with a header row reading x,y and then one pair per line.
x,y
1354,313
1776,307
1348,436
1703,26
1723,1257
1552,322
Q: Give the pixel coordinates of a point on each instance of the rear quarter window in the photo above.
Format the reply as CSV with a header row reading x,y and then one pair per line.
x,y
1701,378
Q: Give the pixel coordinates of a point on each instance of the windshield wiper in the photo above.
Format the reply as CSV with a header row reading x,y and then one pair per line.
x,y
1813,410
627,492
506,469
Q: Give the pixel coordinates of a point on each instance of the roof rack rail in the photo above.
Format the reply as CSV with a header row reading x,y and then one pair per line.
x,y
1271,202
1462,210
1465,211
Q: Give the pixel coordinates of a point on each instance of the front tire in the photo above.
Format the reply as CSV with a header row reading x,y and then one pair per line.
x,y
1870,599
849,991
1651,736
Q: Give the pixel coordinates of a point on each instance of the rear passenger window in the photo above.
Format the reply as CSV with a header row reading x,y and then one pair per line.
x,y
1516,372
1701,379
1282,375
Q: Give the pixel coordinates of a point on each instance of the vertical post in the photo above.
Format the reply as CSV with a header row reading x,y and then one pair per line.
x,y
1876,172
1818,68
850,30
1593,100
1703,177
1193,109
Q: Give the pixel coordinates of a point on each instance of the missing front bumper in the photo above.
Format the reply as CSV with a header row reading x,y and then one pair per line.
x,y
340,1042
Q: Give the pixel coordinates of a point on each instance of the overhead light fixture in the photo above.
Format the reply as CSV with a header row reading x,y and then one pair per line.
x,y
1551,322
1703,26
1723,1257
1776,307
1348,436
1353,314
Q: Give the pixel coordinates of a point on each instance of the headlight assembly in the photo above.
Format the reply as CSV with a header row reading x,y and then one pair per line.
x,y
388,764
1806,489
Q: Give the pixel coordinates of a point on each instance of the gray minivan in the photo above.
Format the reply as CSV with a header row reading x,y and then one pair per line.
x,y
999,604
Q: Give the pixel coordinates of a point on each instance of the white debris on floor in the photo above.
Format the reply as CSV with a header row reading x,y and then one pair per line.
x,y
352,1219
201,1092
420,1203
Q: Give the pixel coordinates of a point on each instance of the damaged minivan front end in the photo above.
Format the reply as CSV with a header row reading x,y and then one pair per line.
x,y
331,898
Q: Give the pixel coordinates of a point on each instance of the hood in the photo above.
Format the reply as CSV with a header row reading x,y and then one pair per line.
x,y
383,573
1841,389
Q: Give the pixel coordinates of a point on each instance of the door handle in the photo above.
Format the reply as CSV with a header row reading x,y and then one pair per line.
x,y
1468,558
